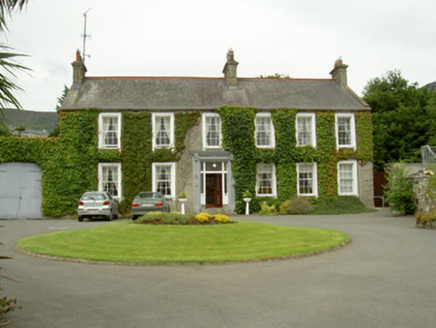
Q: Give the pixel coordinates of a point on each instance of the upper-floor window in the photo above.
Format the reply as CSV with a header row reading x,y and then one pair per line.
x,y
266,180
264,131
345,130
347,178
163,130
211,130
164,179
109,179
307,179
109,130
305,129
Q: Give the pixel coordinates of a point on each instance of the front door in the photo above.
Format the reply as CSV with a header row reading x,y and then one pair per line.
x,y
214,195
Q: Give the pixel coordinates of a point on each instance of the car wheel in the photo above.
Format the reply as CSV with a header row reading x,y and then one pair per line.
x,y
80,218
134,217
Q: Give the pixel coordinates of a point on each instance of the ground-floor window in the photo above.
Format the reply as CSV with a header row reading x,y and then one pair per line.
x,y
307,179
347,178
164,179
109,179
266,180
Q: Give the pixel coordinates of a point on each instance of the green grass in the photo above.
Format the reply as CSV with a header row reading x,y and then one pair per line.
x,y
128,242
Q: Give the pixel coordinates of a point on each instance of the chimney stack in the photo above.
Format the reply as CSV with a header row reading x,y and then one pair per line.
x,y
339,72
230,70
79,69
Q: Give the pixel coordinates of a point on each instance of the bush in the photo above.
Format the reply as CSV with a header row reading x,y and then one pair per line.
x,y
150,217
424,220
203,217
399,190
296,205
338,205
266,209
221,218
176,218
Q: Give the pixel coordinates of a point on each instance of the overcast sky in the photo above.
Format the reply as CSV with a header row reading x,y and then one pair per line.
x,y
191,38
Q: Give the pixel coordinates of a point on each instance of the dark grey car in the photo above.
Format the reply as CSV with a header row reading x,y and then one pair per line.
x,y
97,204
148,201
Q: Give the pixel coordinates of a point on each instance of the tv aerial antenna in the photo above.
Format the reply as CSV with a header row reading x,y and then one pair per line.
x,y
85,36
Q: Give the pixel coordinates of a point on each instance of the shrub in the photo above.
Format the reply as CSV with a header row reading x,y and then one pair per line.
x,y
338,205
176,218
221,218
151,217
6,305
424,220
296,205
266,209
203,217
399,190
182,195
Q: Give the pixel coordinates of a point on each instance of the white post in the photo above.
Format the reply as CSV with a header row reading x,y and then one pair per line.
x,y
247,205
182,202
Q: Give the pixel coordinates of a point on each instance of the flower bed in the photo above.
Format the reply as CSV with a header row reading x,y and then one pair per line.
x,y
177,218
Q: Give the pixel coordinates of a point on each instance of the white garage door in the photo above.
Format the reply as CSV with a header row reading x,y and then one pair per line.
x,y
20,191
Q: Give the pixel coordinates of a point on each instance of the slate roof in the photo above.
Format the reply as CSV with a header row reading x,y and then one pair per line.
x,y
190,93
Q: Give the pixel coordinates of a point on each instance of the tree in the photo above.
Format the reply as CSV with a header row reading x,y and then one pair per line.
x,y
275,76
401,122
62,97
7,63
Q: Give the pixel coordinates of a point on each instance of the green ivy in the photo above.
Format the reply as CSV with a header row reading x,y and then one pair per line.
x,y
69,162
285,155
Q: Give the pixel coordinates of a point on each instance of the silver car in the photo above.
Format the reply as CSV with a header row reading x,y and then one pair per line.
x,y
148,201
97,204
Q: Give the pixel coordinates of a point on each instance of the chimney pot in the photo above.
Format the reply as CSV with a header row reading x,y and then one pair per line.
x,y
339,72
230,69
79,69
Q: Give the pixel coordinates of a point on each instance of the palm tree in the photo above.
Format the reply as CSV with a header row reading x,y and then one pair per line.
x,y
7,7
7,63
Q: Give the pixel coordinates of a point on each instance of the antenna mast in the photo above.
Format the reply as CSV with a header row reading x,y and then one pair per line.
x,y
85,36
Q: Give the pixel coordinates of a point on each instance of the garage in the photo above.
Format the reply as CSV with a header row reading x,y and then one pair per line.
x,y
20,191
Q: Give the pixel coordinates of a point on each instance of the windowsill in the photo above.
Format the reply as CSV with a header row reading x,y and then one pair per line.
x,y
266,195
265,147
111,148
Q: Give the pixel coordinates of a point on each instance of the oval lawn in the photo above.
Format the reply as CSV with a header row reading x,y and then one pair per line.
x,y
139,243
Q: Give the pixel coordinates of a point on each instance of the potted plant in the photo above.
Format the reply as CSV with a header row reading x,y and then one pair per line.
x,y
247,195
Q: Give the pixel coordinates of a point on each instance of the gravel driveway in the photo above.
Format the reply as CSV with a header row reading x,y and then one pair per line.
x,y
384,278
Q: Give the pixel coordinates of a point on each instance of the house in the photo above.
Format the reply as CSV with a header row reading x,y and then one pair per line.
x,y
213,138
203,169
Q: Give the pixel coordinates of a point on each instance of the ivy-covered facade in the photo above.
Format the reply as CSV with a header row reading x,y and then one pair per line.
x,y
211,138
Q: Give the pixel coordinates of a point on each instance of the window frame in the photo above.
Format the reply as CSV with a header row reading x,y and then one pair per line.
x,y
314,179
352,130
272,132
101,136
119,178
312,116
273,182
355,191
173,177
154,116
204,130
